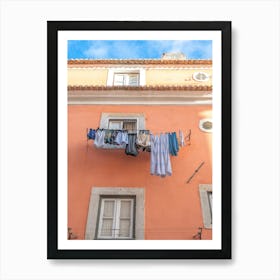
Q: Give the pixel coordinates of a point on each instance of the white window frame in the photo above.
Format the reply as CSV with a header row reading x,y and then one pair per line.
x,y
93,218
116,218
201,122
113,71
206,204
138,117
106,117
126,79
121,122
199,80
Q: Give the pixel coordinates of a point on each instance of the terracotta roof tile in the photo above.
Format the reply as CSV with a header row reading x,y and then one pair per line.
x,y
141,88
138,61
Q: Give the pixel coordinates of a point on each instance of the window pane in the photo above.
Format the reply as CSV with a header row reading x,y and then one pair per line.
x,y
124,228
125,209
107,226
129,125
133,80
119,79
109,206
115,124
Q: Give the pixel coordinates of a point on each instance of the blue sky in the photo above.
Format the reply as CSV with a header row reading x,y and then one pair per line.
x,y
133,49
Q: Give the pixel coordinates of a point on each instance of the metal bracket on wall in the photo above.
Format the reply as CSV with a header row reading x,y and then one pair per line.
x,y
195,172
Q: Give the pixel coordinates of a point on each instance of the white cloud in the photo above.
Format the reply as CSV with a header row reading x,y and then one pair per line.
x,y
96,52
147,49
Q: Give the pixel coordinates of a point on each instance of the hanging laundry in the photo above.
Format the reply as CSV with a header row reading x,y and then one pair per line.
x,y
131,148
107,137
160,159
143,139
173,144
91,134
114,136
99,138
181,138
188,137
121,138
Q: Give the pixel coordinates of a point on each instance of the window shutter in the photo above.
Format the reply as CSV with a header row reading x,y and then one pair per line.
x,y
108,218
116,218
129,124
125,218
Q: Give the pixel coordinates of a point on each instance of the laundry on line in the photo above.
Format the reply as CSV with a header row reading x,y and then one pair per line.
x,y
160,146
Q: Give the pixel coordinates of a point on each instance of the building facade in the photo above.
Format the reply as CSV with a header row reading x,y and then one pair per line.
x,y
112,194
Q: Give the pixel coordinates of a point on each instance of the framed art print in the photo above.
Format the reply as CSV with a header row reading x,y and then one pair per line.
x,y
139,140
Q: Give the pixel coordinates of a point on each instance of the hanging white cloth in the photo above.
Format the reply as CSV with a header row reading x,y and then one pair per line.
x,y
181,138
99,138
160,158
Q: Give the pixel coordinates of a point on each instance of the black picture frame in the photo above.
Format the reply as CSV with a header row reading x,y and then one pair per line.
x,y
53,27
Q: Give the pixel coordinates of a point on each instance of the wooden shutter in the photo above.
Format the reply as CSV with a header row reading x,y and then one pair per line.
x,y
116,218
108,210
125,222
129,124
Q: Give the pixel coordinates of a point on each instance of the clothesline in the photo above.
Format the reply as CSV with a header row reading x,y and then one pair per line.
x,y
187,137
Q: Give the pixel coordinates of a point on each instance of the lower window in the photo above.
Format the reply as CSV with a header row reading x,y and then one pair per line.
x,y
205,192
116,213
116,218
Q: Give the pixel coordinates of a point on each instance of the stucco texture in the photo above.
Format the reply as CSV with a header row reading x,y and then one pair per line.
x,y
172,207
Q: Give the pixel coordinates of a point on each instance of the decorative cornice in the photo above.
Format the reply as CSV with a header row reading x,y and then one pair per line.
x,y
140,61
149,97
142,88
146,67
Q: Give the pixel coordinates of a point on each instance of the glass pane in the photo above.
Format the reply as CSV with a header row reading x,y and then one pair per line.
x,y
125,209
129,125
109,206
107,226
115,124
124,228
133,80
118,79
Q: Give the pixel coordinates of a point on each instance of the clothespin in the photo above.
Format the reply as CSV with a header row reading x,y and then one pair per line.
x,y
188,137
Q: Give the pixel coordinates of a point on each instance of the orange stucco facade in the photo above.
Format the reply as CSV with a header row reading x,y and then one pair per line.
x,y
172,206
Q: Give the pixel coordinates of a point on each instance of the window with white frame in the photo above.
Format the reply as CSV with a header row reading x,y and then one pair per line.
x,y
206,125
205,192
116,218
132,122
200,76
128,121
127,124
126,79
116,213
126,76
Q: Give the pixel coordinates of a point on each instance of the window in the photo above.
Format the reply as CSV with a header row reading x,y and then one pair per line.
x,y
122,121
126,76
116,213
206,125
129,121
126,79
200,76
128,124
116,218
205,192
